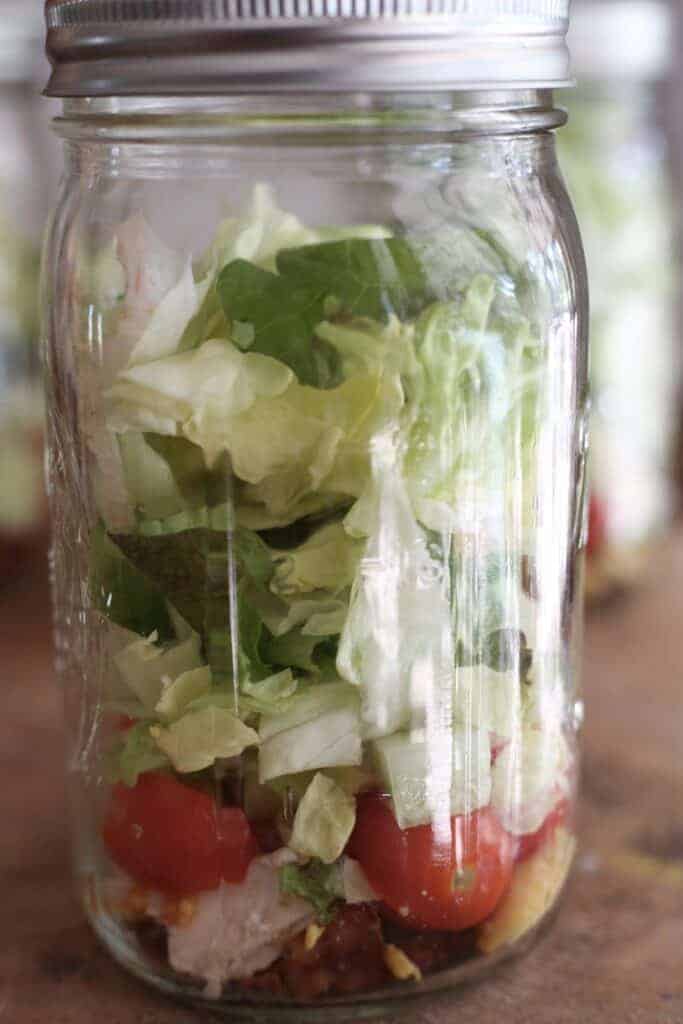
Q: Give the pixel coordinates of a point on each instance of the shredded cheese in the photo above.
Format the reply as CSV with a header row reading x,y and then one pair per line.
x,y
313,933
400,965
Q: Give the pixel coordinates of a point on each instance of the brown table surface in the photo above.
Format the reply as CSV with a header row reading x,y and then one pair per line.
x,y
615,955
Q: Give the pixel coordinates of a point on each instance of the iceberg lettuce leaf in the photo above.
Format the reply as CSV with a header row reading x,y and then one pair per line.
x,y
177,693
168,322
143,666
132,754
327,560
197,739
324,820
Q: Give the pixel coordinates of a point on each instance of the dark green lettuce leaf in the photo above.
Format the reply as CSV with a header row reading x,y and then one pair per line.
x,y
283,315
367,277
122,590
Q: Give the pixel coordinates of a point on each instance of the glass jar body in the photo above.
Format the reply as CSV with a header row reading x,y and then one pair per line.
x,y
614,153
316,413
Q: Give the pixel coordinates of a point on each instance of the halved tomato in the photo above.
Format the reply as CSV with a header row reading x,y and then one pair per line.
x,y
171,837
449,882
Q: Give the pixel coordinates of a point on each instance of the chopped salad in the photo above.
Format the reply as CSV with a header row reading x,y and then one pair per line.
x,y
335,716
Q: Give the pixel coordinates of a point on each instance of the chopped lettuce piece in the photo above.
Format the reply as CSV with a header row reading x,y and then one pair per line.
x,y
183,630
256,237
272,689
293,649
454,252
163,475
110,492
320,884
134,753
194,569
529,777
176,694
143,665
365,345
475,395
282,315
123,592
396,645
331,739
420,773
368,277
247,661
308,440
308,706
326,561
357,888
260,234
319,729
317,614
197,739
167,323
324,820
200,391
486,699
151,270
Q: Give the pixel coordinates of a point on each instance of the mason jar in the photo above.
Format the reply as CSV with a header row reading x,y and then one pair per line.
x,y
25,175
316,366
616,158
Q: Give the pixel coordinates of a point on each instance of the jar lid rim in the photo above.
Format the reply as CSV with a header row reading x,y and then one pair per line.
x,y
147,47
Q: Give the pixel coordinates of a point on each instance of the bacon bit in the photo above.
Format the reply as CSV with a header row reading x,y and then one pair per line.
x,y
400,965
180,912
313,933
347,958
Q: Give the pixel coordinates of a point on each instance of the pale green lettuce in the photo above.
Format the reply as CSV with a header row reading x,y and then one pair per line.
x,y
396,645
197,739
425,776
176,694
319,729
324,820
133,754
327,560
474,395
143,666
200,393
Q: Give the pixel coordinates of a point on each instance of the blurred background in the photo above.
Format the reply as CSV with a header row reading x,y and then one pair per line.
x,y
622,153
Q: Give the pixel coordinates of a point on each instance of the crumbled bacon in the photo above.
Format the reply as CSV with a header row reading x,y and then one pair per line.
x,y
431,951
348,957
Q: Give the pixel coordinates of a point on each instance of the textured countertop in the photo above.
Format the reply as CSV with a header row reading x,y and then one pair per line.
x,y
614,956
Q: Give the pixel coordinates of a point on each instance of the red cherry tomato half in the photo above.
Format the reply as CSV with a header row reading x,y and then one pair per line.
x,y
171,837
529,844
448,883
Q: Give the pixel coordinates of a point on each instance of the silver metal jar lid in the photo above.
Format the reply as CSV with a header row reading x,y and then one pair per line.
x,y
194,47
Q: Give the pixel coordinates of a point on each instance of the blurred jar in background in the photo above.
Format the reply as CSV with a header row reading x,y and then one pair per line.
x,y
24,197
614,154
